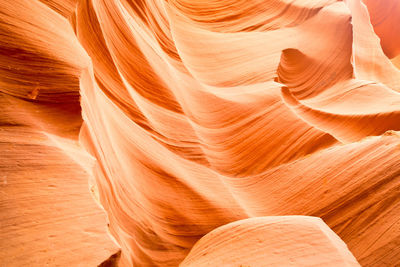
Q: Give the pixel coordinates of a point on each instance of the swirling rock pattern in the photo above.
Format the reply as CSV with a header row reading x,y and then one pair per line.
x,y
214,120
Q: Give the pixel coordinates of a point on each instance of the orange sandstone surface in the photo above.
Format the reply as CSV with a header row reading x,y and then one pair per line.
x,y
210,133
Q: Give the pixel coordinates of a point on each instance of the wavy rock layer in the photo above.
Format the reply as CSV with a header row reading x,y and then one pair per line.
x,y
47,216
202,113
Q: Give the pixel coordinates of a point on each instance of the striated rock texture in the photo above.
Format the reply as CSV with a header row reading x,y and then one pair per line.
x,y
209,122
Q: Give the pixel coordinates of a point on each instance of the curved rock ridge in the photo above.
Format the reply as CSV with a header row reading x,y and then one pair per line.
x,y
203,117
271,241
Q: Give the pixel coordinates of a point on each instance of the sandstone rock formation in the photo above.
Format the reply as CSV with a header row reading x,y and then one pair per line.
x,y
206,123
268,241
